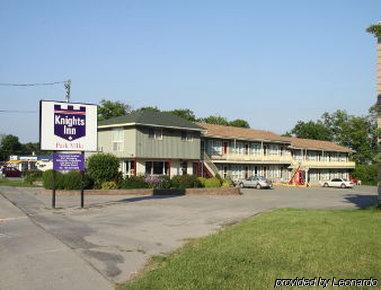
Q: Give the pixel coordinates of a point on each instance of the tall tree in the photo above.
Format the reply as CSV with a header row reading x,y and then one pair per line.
x,y
356,132
239,123
186,114
110,109
10,145
148,109
216,119
312,130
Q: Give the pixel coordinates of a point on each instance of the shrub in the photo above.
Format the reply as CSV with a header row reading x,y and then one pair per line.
x,y
103,167
88,182
185,181
227,183
72,180
134,182
212,182
109,185
366,173
158,182
31,176
201,181
47,180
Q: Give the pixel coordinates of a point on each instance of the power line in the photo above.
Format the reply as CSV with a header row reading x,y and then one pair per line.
x,y
32,84
16,111
67,85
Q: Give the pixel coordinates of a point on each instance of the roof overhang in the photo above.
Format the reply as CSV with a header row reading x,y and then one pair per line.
x,y
148,125
320,149
245,139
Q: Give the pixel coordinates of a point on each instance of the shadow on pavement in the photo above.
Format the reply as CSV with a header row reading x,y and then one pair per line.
x,y
361,201
147,197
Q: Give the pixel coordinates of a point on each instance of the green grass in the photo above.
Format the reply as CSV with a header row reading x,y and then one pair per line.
x,y
281,244
14,182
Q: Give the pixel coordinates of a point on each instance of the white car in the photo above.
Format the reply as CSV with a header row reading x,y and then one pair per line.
x,y
258,182
337,182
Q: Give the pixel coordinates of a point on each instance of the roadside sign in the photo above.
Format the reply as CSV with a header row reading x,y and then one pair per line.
x,y
68,161
68,126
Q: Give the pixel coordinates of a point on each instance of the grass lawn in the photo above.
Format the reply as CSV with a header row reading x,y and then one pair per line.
x,y
286,243
14,182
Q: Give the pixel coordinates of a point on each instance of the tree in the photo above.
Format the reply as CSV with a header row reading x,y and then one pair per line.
x,y
312,130
30,148
110,109
216,119
375,29
10,145
148,109
239,123
356,132
186,114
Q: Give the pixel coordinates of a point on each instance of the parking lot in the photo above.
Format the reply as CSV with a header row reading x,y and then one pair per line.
x,y
114,236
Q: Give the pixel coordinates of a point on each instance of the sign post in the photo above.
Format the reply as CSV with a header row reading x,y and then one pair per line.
x,y
66,127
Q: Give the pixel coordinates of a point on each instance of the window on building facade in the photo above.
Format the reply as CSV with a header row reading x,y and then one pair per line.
x,y
155,134
156,168
256,148
216,147
186,136
184,167
117,139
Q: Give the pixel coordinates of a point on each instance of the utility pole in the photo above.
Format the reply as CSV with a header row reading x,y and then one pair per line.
x,y
67,85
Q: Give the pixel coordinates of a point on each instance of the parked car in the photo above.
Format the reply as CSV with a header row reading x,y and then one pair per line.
x,y
256,181
11,172
337,182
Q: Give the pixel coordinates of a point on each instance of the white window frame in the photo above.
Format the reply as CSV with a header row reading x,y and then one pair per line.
x,y
117,142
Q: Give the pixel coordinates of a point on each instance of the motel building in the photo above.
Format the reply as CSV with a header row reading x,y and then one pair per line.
x,y
157,143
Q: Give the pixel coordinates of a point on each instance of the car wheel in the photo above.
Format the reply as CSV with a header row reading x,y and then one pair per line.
x,y
258,186
343,185
325,184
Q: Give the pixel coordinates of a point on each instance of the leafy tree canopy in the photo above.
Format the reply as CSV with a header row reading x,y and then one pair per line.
x,y
10,145
186,114
239,123
148,109
375,29
216,119
110,109
357,132
312,130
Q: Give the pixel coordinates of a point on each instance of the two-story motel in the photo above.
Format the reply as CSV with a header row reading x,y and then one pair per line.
x,y
156,143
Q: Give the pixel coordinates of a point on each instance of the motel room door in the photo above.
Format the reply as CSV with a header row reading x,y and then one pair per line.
x,y
225,145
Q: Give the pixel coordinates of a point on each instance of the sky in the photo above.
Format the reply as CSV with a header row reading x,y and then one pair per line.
x,y
270,62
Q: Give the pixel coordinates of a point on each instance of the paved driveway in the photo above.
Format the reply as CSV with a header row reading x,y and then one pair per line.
x,y
112,239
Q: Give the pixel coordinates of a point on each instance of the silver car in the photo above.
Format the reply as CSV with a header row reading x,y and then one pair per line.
x,y
257,182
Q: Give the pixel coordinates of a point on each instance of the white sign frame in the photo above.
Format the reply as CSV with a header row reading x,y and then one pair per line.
x,y
49,140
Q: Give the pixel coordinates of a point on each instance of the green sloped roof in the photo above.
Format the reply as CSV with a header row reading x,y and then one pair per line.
x,y
151,118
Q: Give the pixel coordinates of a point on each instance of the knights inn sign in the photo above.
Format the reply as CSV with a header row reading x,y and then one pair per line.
x,y
68,126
